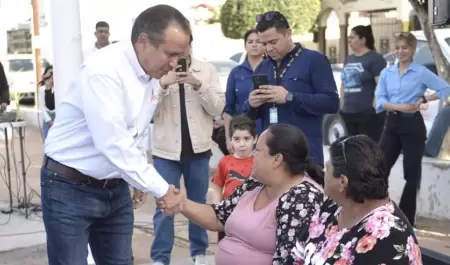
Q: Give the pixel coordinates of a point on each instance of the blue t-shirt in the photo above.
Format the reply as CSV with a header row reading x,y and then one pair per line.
x,y
358,79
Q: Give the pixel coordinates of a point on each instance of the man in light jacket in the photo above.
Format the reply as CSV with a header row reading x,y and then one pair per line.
x,y
183,125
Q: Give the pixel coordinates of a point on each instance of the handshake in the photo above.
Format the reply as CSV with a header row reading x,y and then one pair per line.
x,y
171,203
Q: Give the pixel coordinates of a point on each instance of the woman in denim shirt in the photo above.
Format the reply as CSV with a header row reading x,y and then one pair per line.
x,y
401,92
240,84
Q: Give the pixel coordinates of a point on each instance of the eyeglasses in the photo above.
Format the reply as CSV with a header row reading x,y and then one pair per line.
x,y
272,15
402,34
343,145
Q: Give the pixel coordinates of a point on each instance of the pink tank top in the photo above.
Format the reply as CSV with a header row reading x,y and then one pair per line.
x,y
250,235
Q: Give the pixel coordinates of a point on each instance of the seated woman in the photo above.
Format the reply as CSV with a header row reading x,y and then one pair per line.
x,y
359,224
264,215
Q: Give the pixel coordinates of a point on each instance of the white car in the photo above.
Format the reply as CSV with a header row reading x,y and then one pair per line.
x,y
21,76
224,68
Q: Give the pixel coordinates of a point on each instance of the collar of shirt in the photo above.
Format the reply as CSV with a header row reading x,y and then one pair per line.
x,y
412,67
246,65
130,53
288,56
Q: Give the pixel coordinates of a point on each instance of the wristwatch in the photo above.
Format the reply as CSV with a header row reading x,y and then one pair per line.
x,y
289,97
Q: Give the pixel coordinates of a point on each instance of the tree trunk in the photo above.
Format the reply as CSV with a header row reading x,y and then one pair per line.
x,y
442,65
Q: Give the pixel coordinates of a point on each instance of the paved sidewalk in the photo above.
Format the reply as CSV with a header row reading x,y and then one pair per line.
x,y
23,241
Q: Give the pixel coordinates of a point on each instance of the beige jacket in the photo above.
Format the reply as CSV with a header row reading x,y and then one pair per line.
x,y
201,106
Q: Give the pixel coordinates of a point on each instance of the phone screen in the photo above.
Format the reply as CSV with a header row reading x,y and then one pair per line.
x,y
259,80
182,65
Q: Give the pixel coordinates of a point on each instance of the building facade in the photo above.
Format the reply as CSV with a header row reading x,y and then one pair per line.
x,y
337,17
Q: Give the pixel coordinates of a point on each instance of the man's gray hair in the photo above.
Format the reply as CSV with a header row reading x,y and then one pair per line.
x,y
154,21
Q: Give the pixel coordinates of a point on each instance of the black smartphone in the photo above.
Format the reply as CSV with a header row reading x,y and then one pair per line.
x,y
182,65
259,80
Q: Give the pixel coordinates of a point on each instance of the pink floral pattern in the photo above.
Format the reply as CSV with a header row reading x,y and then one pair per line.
x,y
382,237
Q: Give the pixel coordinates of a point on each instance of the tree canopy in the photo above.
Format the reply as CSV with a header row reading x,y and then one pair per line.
x,y
238,16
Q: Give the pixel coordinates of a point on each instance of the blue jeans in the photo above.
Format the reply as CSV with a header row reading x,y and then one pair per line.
x,y
196,179
77,213
437,133
45,128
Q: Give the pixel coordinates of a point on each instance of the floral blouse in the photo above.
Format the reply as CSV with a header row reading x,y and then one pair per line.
x,y
382,237
293,213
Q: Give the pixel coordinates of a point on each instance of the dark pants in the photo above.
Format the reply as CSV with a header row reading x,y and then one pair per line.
x,y
368,123
196,180
407,133
220,139
77,213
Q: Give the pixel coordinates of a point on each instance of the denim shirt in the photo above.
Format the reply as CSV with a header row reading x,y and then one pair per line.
x,y
311,82
407,88
239,86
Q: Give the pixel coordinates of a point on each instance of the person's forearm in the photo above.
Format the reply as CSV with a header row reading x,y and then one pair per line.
x,y
226,120
389,106
201,214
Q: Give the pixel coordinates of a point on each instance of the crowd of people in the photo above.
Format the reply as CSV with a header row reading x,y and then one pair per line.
x,y
275,199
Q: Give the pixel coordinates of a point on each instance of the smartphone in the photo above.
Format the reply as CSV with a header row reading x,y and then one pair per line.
x,y
259,80
182,65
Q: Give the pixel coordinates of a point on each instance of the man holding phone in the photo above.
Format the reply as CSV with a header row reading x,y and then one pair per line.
x,y
188,99
293,85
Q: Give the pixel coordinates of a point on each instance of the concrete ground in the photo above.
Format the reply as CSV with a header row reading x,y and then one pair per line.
x,y
22,241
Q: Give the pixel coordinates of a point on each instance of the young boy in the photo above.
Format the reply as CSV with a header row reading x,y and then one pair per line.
x,y
235,168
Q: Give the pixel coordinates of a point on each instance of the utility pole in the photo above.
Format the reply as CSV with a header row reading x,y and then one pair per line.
x,y
36,44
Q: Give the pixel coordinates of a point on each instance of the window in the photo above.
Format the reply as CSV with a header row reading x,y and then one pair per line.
x,y
423,54
20,65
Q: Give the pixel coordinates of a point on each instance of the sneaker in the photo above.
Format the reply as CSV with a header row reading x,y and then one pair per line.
x,y
200,260
157,263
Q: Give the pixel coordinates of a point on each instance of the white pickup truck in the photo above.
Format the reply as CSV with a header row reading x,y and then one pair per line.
x,y
21,76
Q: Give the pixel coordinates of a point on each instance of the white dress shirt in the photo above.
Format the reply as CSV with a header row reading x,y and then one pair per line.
x,y
103,121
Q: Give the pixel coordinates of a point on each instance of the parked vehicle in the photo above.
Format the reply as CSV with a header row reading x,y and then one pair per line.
x,y
224,68
21,76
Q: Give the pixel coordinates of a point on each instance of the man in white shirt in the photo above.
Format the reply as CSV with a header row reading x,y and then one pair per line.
x,y
101,35
98,144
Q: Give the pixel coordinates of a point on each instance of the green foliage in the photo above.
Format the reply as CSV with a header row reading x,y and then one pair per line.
x,y
238,16
301,14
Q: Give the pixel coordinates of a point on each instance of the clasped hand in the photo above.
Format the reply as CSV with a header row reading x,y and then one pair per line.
x,y
173,77
267,93
172,202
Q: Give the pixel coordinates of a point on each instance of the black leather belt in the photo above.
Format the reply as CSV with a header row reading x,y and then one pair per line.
x,y
404,114
71,173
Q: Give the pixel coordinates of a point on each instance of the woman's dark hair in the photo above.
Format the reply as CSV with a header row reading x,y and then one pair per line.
x,y
367,33
248,33
48,68
290,142
361,160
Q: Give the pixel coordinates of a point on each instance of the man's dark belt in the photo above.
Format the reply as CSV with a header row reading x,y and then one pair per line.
x,y
403,114
71,173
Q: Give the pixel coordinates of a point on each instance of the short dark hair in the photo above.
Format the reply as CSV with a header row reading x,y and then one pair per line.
x,y
289,141
367,33
361,160
154,20
243,123
101,24
277,20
